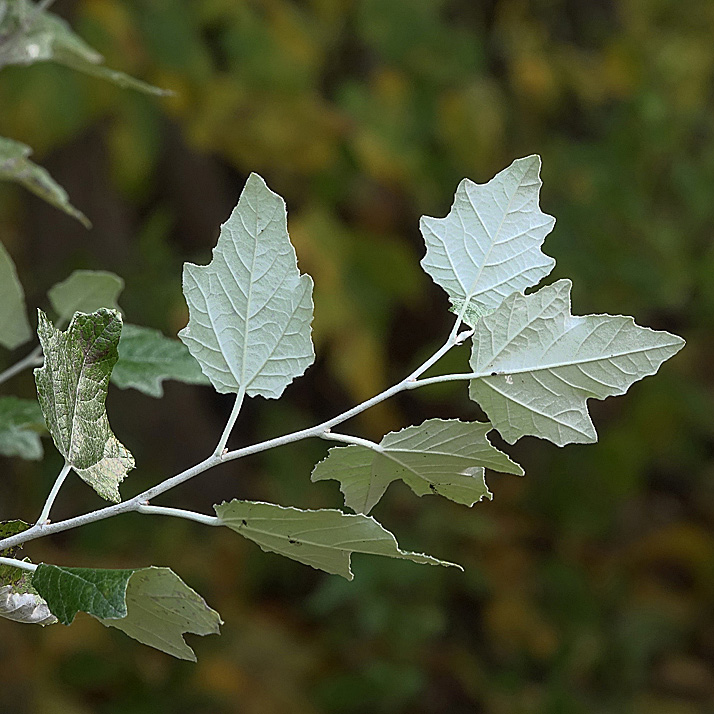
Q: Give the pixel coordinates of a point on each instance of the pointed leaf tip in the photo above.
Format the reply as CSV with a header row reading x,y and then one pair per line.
x,y
324,539
489,245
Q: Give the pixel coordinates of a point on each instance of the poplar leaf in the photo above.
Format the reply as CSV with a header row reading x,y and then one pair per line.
x,y
444,457
72,389
160,608
31,34
152,605
489,245
147,357
16,166
14,327
538,364
67,591
250,308
323,539
85,291
21,423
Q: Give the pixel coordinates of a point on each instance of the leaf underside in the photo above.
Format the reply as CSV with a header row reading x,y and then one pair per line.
x,y
444,457
152,605
489,245
160,608
250,308
323,539
539,364
72,389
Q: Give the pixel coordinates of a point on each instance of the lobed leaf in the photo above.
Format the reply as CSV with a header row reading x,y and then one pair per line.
x,y
147,357
538,364
152,605
72,389
14,326
85,291
323,539
250,308
16,166
489,245
21,423
444,457
161,608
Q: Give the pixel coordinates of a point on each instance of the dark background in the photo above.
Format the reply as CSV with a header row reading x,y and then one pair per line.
x,y
588,585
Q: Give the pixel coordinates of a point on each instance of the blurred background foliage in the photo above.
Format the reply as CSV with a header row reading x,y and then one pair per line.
x,y
589,584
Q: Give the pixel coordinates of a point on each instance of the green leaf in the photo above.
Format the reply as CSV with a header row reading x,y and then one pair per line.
x,y
85,291
30,34
16,166
160,608
99,592
72,389
8,575
14,327
444,457
538,364
152,605
324,539
21,423
146,358
250,308
489,245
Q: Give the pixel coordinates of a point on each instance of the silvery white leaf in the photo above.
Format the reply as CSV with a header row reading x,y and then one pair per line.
x,y
250,308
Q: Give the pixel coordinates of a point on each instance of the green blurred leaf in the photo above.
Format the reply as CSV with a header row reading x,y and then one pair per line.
x,y
72,389
147,357
538,364
250,308
85,291
14,326
324,539
21,423
30,34
489,245
444,457
16,166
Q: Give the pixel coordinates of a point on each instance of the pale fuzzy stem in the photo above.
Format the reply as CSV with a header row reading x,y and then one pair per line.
x,y
18,564
179,513
356,440
34,359
445,378
231,423
44,516
319,430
